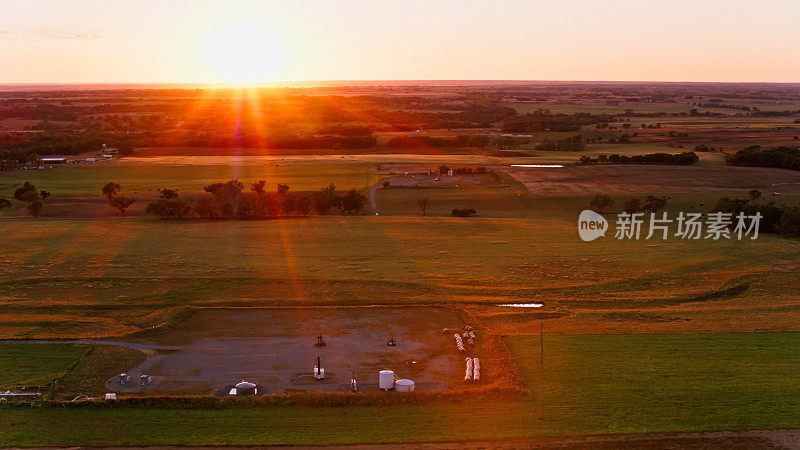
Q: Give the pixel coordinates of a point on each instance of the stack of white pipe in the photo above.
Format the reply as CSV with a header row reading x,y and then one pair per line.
x,y
459,343
476,369
472,335
468,375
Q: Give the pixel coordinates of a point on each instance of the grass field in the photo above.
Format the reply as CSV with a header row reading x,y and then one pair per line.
x,y
36,365
594,385
607,372
105,277
665,382
143,176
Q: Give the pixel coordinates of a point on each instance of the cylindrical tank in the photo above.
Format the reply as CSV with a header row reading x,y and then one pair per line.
x,y
404,385
245,388
386,379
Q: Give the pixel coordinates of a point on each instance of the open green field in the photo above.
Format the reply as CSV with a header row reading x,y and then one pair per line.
x,y
36,365
143,176
594,384
107,277
665,382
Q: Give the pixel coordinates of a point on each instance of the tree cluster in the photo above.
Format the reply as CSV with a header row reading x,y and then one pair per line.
x,y
782,157
677,159
544,120
781,219
33,197
460,141
568,144
228,200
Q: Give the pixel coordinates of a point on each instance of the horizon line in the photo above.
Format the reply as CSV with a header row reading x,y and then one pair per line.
x,y
368,82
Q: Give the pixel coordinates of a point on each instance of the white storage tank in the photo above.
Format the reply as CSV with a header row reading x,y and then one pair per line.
x,y
386,379
404,385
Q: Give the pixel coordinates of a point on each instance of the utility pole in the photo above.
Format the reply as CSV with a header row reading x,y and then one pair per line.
x,y
541,370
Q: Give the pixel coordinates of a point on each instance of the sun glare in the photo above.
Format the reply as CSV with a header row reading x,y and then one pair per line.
x,y
243,54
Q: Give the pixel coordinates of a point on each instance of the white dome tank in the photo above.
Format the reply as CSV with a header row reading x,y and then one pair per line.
x,y
404,385
386,379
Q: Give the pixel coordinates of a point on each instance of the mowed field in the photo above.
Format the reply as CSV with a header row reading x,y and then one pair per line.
x,y
110,277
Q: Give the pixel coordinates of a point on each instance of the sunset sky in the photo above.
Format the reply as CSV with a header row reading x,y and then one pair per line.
x,y
62,41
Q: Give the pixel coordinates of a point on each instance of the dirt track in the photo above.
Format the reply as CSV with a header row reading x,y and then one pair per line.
x,y
216,348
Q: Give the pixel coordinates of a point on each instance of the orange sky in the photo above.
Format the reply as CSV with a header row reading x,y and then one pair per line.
x,y
261,41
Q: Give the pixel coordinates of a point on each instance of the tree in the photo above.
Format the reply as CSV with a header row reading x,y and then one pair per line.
x,y
654,204
125,149
27,187
168,194
35,207
225,195
111,189
112,193
4,204
422,204
169,206
258,187
121,202
304,205
790,221
44,194
601,202
282,189
341,204
755,195
355,201
325,199
632,205
29,196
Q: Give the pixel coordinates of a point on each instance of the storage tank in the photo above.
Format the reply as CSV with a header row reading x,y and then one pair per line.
x,y
245,388
404,385
386,379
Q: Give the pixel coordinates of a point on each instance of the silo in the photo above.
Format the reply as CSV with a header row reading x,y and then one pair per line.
x,y
404,385
386,379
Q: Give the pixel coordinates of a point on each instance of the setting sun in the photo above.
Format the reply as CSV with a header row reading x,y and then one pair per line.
x,y
412,224
241,53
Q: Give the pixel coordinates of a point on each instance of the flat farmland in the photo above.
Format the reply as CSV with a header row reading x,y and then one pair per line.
x,y
594,384
111,277
143,176
633,179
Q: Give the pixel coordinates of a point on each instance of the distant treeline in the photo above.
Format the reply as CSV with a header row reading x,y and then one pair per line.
x,y
475,140
678,159
197,138
26,147
569,144
781,157
544,120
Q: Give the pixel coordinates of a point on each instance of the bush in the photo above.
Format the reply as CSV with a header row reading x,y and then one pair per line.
x,y
463,212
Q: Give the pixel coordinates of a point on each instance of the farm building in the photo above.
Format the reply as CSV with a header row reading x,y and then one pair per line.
x,y
53,160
